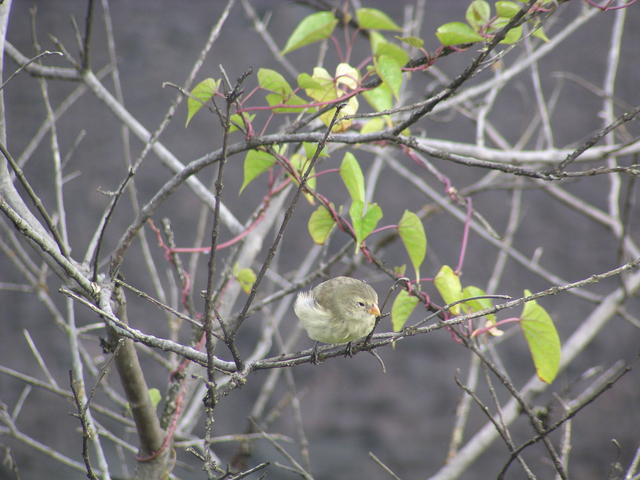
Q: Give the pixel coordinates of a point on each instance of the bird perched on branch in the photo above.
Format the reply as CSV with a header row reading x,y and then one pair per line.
x,y
340,310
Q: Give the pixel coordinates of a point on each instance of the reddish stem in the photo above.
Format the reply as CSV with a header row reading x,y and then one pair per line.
x,y
338,48
485,329
607,6
465,236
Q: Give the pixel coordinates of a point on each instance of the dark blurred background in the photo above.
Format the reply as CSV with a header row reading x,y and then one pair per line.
x,y
350,406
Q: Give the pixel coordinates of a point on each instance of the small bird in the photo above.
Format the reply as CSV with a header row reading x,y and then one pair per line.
x,y
340,310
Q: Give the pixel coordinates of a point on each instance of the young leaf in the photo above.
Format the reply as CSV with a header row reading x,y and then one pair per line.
x,y
402,308
320,225
352,177
310,150
392,50
312,28
341,124
399,270
355,213
274,82
375,39
201,94
375,19
255,163
543,340
455,33
478,13
370,219
320,86
507,9
300,163
512,36
154,396
348,76
413,236
449,287
238,120
415,42
539,33
390,73
380,98
479,303
374,125
364,222
307,81
246,278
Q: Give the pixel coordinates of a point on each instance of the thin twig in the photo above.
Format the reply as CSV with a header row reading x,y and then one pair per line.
x,y
285,221
36,201
86,42
383,466
602,384
85,427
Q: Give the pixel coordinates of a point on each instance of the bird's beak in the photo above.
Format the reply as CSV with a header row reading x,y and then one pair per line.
x,y
374,310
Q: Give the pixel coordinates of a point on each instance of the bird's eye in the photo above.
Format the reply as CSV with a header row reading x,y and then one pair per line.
x,y
360,304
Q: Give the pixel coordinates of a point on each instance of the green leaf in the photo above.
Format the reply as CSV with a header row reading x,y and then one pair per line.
x,y
256,162
320,86
312,28
347,76
364,222
320,225
507,9
352,177
399,270
539,33
402,308
390,72
155,396
355,212
300,163
479,303
415,42
512,36
375,39
246,278
375,19
307,81
370,219
200,95
543,340
310,150
456,33
478,14
350,108
274,82
394,51
375,124
237,119
449,287
412,233
380,98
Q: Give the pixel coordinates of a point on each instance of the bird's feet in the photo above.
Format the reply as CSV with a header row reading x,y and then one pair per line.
x,y
349,350
314,354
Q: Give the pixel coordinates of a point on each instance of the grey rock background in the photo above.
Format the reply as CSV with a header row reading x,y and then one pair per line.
x,y
404,415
